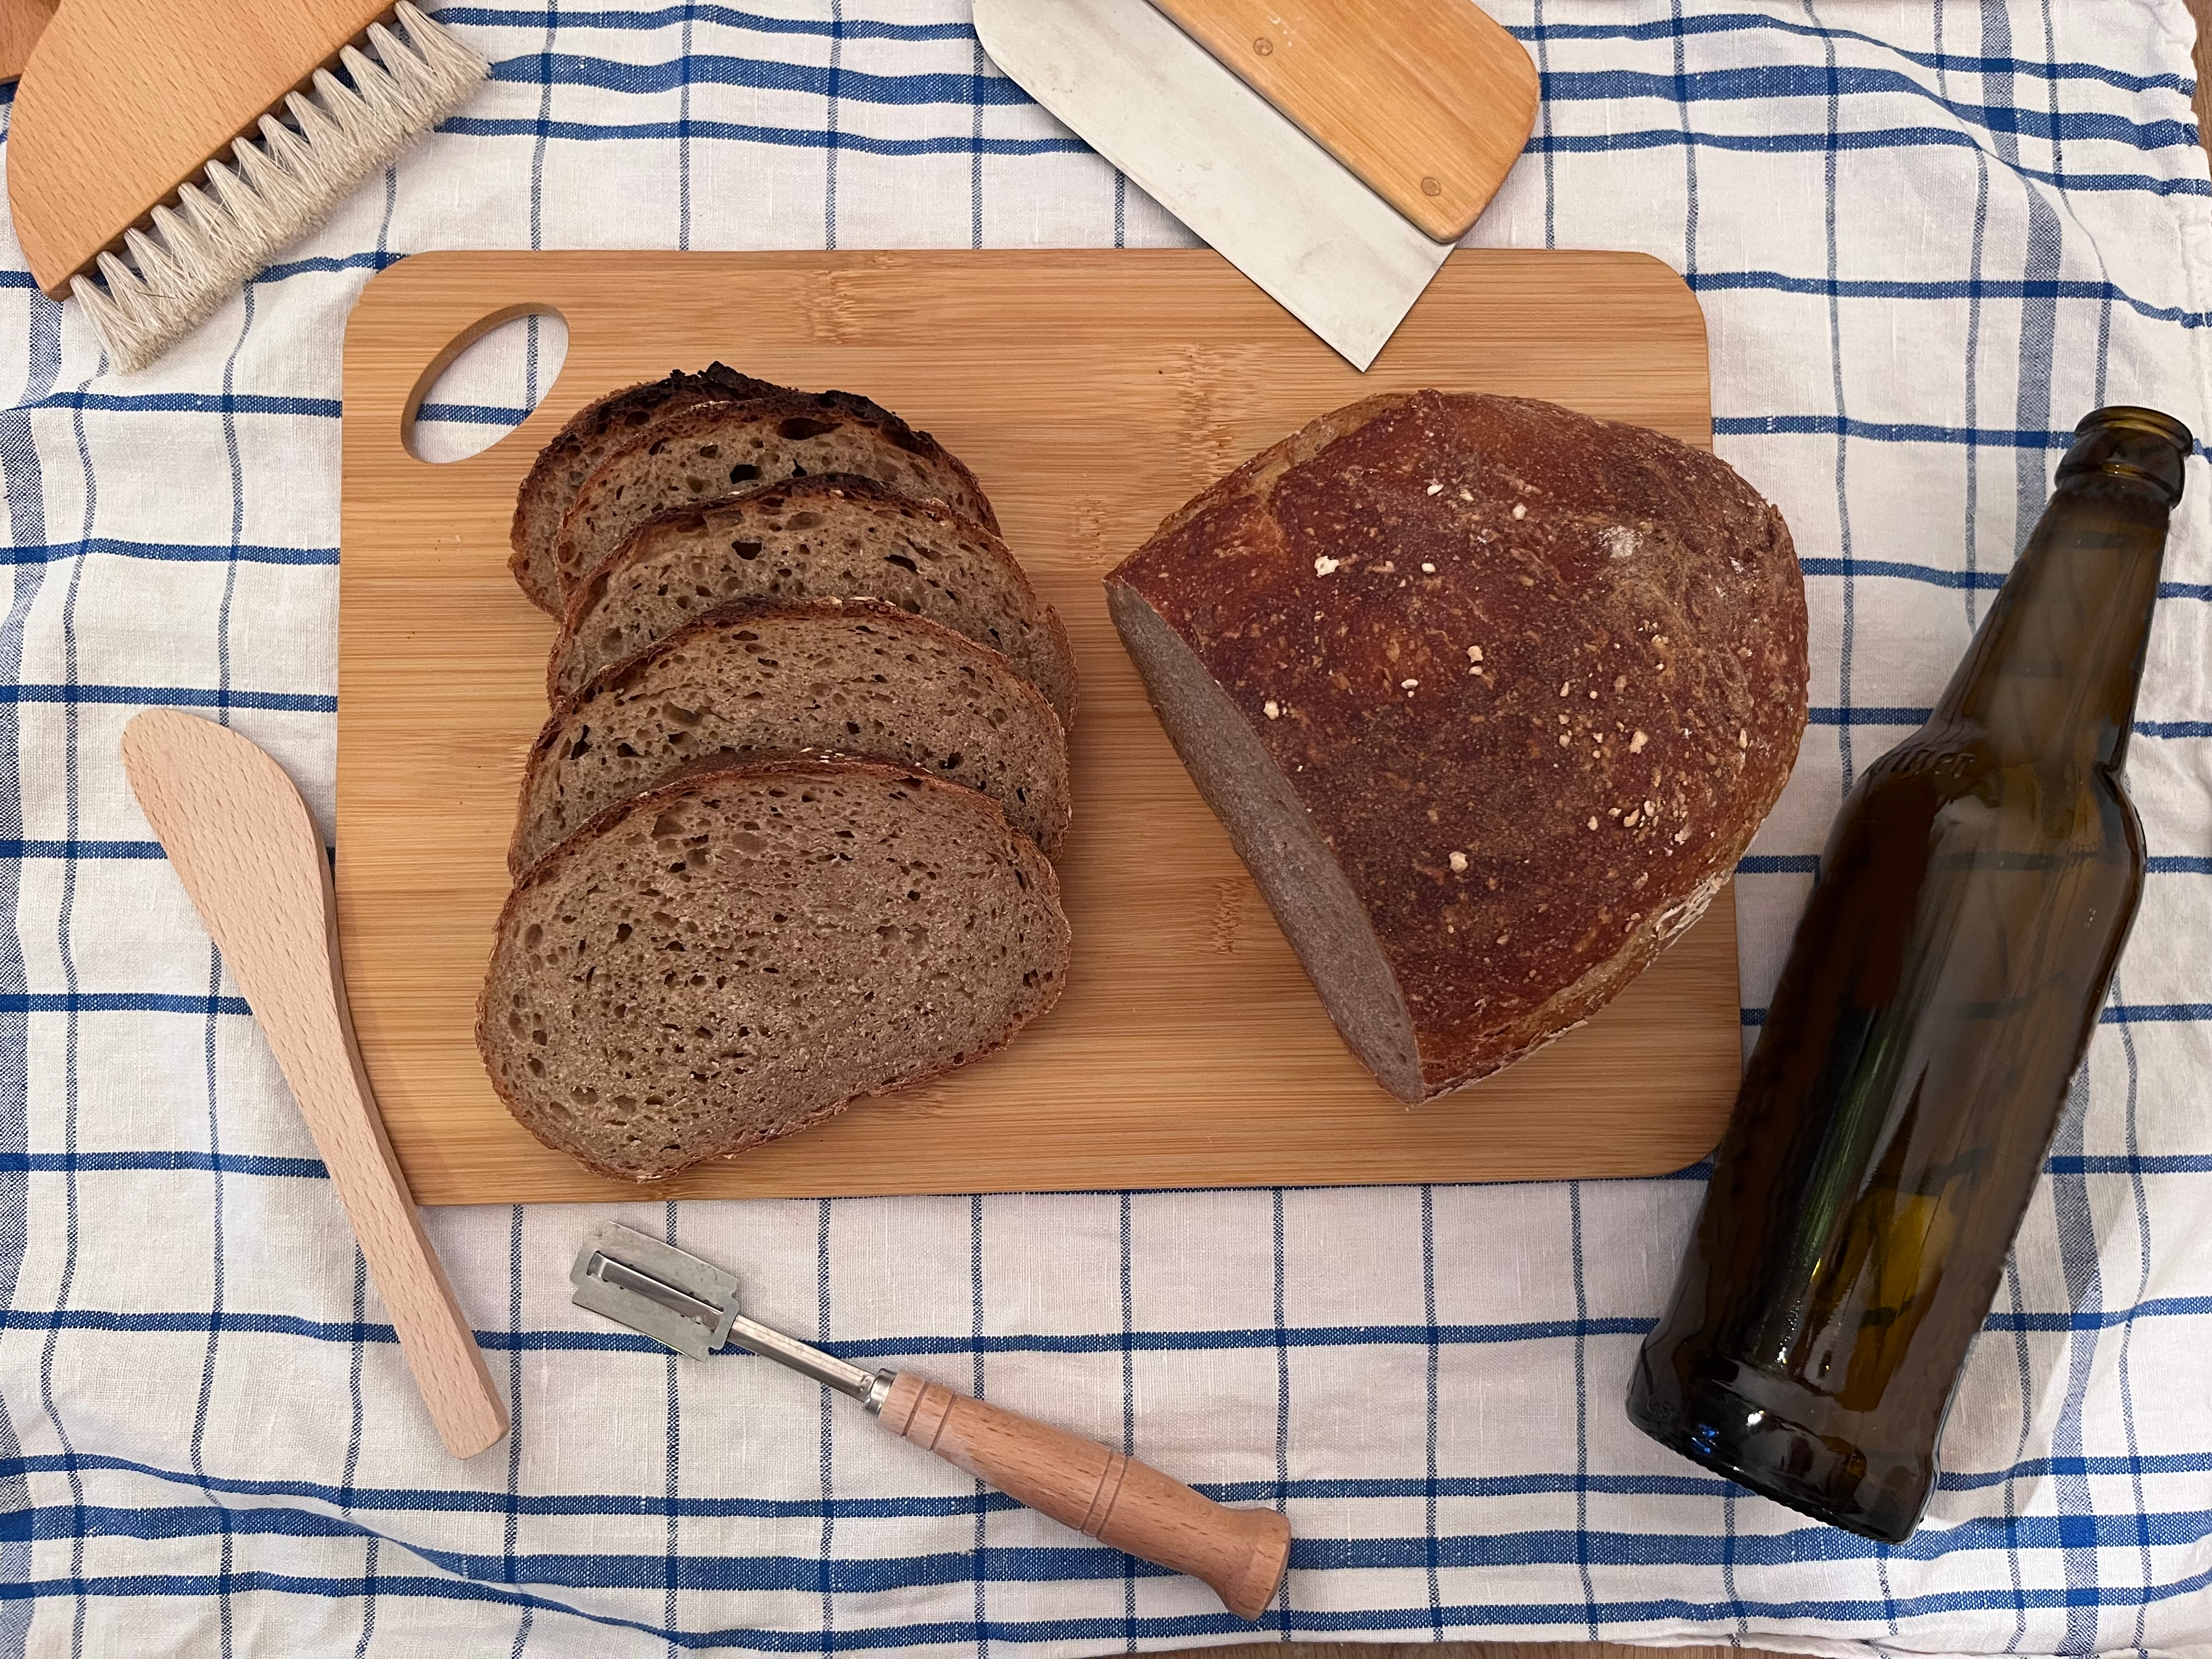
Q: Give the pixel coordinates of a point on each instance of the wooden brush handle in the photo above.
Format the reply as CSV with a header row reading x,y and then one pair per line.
x,y
1098,1490
251,861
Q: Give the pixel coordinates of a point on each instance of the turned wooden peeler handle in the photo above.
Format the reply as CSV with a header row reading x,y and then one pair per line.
x,y
1116,1499
252,862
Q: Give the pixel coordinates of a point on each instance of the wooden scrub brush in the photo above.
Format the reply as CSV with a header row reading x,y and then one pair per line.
x,y
116,180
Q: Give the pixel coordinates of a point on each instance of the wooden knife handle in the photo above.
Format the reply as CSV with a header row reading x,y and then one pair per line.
x,y
1081,1484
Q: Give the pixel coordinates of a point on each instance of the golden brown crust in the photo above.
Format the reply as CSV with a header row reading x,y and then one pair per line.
x,y
1535,678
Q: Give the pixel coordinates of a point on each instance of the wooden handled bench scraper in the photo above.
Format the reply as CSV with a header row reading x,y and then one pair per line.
x,y
691,1306
1331,150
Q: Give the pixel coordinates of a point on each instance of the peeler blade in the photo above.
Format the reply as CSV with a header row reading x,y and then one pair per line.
x,y
657,1290
1219,157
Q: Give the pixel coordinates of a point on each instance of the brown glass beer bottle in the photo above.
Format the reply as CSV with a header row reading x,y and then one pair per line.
x,y
1938,999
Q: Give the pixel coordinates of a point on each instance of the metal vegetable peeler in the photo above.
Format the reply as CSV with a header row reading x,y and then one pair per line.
x,y
691,1306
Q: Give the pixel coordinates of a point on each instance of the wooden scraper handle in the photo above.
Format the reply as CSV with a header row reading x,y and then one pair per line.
x,y
1098,1491
240,839
1429,101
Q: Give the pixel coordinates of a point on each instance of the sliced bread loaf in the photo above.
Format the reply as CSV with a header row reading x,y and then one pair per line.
x,y
745,950
831,537
856,679
591,433
719,449
1489,696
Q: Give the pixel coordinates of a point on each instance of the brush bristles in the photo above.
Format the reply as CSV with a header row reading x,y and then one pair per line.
x,y
225,226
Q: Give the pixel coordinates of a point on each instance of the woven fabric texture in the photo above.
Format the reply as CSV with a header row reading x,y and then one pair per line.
x,y
1927,240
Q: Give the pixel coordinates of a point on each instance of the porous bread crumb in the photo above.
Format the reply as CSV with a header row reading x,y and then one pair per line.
x,y
1458,861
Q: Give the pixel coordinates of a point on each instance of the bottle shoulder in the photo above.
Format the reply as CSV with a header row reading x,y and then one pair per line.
x,y
1958,789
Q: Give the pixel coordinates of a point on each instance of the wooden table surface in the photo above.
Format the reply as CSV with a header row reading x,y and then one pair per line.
x,y
2201,10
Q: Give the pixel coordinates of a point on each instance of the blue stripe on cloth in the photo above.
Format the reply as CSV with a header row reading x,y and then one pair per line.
x,y
1285,1341
189,403
475,126
171,696
719,16
473,414
23,478
1078,1563
1948,291
87,850
243,1163
1846,141
1768,82
118,1002
173,552
1691,1483
1071,1629
699,69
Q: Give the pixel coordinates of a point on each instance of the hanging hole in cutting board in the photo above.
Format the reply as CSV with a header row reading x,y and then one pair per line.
x,y
485,383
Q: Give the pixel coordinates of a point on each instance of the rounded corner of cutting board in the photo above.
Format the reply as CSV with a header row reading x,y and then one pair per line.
x,y
1186,371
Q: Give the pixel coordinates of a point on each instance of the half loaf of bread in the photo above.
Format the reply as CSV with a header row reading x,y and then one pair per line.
x,y
1490,697
592,433
829,537
859,679
719,449
744,951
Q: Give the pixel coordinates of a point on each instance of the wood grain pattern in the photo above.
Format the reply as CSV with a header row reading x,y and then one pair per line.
x,y
251,859
121,103
22,23
1241,1553
1429,103
1092,391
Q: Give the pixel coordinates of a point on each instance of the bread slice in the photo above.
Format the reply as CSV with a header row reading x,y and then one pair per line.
x,y
591,433
746,950
858,678
830,537
1490,697
719,449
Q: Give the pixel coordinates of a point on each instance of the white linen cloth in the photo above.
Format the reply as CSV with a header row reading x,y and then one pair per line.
x,y
1927,240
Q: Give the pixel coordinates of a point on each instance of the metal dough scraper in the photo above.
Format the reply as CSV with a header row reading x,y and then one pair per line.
x,y
1331,150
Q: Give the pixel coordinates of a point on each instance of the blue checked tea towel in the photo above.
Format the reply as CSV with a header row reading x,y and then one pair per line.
x,y
1927,239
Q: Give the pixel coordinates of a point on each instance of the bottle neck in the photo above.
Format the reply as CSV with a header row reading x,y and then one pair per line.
x,y
2052,677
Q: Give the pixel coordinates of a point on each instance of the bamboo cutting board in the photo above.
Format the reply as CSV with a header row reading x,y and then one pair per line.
x,y
1091,391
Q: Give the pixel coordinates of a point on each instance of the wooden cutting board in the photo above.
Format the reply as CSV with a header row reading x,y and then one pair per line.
x,y
1091,391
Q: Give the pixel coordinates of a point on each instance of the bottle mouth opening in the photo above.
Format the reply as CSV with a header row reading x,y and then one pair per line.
x,y
2134,418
